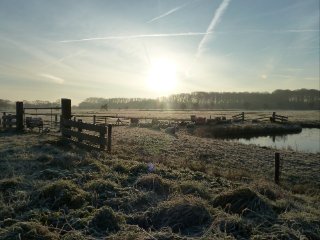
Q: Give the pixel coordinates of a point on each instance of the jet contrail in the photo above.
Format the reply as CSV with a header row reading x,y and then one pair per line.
x,y
169,12
215,20
185,34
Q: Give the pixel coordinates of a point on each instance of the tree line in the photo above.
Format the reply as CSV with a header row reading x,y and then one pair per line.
x,y
6,104
301,99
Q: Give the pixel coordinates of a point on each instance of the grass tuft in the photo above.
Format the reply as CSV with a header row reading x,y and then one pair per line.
x,y
105,220
28,230
184,215
10,184
243,201
153,182
195,188
62,193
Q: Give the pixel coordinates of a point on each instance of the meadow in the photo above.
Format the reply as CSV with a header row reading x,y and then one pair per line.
x,y
155,185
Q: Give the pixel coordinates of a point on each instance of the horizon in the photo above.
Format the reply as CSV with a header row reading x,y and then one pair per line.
x,y
107,49
162,98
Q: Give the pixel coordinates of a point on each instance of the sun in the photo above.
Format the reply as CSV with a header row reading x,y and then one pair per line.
x,y
162,76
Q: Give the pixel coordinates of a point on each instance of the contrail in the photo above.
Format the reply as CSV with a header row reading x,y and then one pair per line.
x,y
185,34
169,12
215,20
52,78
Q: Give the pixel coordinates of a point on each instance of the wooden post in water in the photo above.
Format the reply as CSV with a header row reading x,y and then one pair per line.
x,y
242,116
65,113
277,168
19,116
109,137
94,119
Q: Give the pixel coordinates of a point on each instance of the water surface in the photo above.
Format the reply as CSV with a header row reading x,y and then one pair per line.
x,y
306,141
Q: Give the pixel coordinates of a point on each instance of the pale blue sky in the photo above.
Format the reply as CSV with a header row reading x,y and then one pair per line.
x,y
216,45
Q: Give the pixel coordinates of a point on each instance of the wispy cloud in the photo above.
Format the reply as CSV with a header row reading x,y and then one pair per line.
x,y
184,34
169,12
215,20
280,31
52,78
62,59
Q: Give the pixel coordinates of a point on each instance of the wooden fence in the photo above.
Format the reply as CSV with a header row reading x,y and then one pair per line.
x,y
70,128
238,117
280,118
8,121
49,119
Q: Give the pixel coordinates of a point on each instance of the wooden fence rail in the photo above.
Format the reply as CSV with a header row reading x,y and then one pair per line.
x,y
276,117
238,117
66,130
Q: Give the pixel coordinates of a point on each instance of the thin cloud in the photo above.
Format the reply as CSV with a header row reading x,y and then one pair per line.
x,y
280,31
61,60
184,34
52,78
169,12
215,20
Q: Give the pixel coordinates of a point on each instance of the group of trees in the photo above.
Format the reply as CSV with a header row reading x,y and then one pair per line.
x,y
280,99
302,99
6,104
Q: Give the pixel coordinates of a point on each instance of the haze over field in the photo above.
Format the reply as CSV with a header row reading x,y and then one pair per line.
x,y
153,48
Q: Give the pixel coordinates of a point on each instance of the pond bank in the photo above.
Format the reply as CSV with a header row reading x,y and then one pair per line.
x,y
246,130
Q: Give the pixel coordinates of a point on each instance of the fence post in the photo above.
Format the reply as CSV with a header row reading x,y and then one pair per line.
x,y
94,119
56,118
277,168
19,116
79,130
109,137
10,120
65,113
242,116
102,138
4,120
273,116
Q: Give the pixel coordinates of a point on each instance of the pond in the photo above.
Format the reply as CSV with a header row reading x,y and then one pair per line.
x,y
308,140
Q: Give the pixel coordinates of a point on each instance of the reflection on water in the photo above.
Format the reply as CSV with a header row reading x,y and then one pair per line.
x,y
306,141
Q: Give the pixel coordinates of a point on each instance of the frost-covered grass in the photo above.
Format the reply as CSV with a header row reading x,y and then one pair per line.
x,y
197,188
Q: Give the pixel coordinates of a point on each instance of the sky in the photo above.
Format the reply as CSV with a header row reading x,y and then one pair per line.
x,y
151,48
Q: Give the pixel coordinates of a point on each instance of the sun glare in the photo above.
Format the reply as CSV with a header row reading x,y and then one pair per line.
x,y
162,76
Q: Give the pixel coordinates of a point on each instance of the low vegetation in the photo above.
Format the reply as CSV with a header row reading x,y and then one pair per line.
x,y
154,185
246,130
